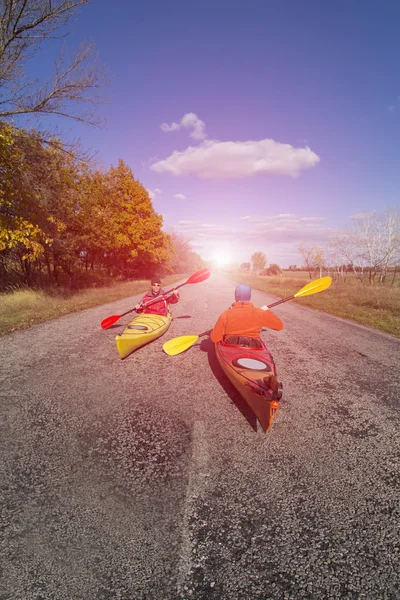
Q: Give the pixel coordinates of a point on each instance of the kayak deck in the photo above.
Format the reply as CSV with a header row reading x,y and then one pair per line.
x,y
140,331
250,371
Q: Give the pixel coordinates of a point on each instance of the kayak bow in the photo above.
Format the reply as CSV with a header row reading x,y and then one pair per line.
x,y
140,331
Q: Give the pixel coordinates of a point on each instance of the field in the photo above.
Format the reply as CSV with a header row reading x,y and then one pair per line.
x,y
376,306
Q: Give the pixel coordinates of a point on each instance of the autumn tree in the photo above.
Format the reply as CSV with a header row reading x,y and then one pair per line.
x,y
132,239
39,200
21,235
59,217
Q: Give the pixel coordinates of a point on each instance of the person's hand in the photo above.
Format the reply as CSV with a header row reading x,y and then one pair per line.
x,y
264,307
137,307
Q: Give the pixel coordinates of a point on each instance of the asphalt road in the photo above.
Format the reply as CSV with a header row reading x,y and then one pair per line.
x,y
147,478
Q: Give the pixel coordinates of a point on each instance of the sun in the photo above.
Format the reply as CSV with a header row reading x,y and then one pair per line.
x,y
222,259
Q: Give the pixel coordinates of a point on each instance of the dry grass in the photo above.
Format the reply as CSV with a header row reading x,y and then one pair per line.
x,y
374,306
22,308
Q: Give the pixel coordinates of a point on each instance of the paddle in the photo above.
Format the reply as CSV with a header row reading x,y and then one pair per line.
x,y
184,342
197,277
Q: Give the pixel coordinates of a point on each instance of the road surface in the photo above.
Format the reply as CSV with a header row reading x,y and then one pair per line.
x,y
147,478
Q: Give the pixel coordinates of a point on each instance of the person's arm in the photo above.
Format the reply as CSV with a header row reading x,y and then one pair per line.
x,y
139,307
268,319
174,297
219,329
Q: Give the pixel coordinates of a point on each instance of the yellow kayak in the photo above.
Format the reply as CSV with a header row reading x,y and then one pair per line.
x,y
140,331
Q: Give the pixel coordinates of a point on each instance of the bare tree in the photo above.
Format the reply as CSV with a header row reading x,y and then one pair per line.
x,y
313,257
24,26
388,227
373,245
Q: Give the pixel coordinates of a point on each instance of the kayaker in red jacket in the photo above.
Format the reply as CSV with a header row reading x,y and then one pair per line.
x,y
161,306
241,324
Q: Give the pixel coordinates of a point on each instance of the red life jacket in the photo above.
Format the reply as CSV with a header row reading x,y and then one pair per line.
x,y
160,306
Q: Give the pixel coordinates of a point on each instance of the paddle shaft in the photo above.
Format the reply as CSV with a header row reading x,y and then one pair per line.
x,y
195,278
281,301
157,299
205,333
160,296
192,279
111,320
269,306
318,286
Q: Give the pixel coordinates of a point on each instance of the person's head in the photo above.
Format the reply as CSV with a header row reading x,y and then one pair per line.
x,y
156,286
242,293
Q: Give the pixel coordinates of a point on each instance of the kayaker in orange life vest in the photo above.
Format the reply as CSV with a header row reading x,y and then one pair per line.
x,y
241,324
160,307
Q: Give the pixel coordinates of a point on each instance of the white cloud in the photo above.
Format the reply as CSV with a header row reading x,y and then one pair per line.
x,y
312,219
180,196
277,229
264,219
234,160
362,215
278,236
191,121
286,228
188,121
394,106
186,223
173,127
153,193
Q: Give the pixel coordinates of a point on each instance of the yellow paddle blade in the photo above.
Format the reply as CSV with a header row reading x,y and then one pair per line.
x,y
179,344
319,285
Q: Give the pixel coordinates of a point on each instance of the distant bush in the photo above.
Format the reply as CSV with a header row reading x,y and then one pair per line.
x,y
273,269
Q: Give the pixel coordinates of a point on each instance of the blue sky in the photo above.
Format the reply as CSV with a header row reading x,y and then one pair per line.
x,y
256,125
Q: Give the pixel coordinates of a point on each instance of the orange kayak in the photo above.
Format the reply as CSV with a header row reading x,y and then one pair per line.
x,y
252,372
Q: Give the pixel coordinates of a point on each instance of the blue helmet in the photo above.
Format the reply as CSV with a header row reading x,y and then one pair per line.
x,y
242,293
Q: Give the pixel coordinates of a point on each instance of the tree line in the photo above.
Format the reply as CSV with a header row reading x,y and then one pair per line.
x,y
63,222
369,249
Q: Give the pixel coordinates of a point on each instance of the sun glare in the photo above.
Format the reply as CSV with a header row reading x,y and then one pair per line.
x,y
222,259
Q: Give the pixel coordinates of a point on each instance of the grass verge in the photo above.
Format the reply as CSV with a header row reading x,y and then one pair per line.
x,y
374,306
22,308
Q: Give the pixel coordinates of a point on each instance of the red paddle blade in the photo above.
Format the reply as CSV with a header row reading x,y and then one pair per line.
x,y
199,276
106,323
